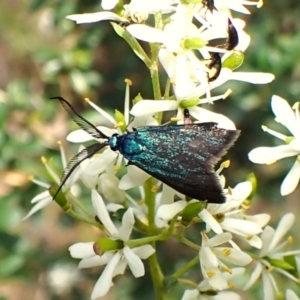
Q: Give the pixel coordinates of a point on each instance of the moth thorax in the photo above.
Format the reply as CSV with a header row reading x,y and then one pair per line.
x,y
130,146
113,142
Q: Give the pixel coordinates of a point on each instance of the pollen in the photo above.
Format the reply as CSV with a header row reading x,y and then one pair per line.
x,y
271,268
128,81
119,124
249,237
260,3
30,178
43,159
58,143
210,274
155,188
225,164
231,285
141,202
226,252
226,269
290,240
117,168
280,295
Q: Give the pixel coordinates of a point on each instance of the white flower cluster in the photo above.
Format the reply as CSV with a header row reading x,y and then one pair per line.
x,y
181,40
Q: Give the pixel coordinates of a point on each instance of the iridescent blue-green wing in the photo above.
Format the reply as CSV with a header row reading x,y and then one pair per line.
x,y
184,156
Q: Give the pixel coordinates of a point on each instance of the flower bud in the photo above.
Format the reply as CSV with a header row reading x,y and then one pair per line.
x,y
106,244
193,43
234,60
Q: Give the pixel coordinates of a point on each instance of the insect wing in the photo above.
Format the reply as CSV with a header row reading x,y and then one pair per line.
x,y
183,157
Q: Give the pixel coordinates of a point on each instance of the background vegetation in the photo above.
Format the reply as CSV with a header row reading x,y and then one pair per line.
x,y
44,55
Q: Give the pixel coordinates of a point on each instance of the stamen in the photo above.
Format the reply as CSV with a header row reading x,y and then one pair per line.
x,y
274,133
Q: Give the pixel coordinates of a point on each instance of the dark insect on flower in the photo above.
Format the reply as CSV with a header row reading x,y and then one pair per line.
x,y
214,65
187,116
209,4
232,39
181,156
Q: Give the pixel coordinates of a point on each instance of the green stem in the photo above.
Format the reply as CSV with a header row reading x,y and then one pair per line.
x,y
157,276
167,89
84,219
147,240
77,204
189,243
150,202
186,267
188,282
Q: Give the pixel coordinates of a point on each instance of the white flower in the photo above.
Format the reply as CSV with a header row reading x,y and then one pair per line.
x,y
272,250
232,218
237,5
211,258
137,10
204,289
267,155
150,107
43,199
117,260
109,4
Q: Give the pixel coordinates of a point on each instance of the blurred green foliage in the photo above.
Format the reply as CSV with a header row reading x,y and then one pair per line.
x,y
45,55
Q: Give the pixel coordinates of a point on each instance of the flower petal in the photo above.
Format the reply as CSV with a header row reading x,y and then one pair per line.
x,y
210,221
127,225
82,250
252,77
103,214
291,295
204,115
283,227
146,33
109,4
143,251
254,276
134,177
134,262
190,295
146,107
291,180
233,256
41,204
268,155
96,260
105,282
95,17
285,115
168,211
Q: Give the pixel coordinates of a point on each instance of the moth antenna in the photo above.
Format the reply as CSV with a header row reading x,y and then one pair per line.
x,y
81,121
77,160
